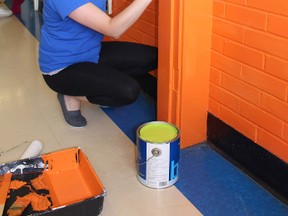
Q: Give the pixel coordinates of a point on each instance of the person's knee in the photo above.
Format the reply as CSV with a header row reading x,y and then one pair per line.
x,y
120,96
132,92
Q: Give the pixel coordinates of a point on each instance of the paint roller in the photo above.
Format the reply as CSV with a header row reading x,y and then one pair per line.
x,y
33,150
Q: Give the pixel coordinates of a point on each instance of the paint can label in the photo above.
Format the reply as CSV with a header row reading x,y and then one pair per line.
x,y
158,161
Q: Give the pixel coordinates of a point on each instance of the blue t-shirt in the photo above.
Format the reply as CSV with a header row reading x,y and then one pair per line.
x,y
63,41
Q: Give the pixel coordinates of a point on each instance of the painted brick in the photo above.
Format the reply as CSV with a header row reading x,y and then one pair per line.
x,y
134,34
150,16
149,40
218,9
241,2
146,27
277,67
278,25
273,144
215,76
246,16
153,5
126,38
261,60
274,106
239,123
217,43
285,136
267,43
119,6
224,97
265,82
226,65
275,6
244,54
241,89
213,107
228,30
261,118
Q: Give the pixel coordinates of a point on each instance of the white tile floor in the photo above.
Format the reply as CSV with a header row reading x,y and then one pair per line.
x,y
29,110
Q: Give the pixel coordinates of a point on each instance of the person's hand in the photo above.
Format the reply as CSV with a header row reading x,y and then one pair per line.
x,y
92,17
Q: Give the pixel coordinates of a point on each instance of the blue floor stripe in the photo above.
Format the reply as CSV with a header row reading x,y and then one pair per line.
x,y
129,118
214,185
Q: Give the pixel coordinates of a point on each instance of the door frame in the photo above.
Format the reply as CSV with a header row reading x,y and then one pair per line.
x,y
184,43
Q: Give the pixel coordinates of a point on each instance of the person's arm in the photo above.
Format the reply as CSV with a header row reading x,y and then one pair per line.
x,y
91,16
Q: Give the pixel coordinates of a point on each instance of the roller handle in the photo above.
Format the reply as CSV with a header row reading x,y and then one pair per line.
x,y
33,150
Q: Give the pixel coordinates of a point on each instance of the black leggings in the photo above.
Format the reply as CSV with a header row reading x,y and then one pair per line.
x,y
110,82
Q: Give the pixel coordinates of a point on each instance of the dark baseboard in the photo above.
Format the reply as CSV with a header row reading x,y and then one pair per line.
x,y
264,167
148,84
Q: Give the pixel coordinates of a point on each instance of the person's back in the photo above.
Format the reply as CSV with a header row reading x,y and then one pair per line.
x,y
63,41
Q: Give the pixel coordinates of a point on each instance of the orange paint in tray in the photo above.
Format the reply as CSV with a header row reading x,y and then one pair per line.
x,y
58,183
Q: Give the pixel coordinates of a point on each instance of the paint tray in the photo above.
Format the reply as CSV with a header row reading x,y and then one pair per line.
x,y
61,183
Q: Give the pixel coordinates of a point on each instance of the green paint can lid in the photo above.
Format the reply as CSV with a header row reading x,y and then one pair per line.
x,y
158,132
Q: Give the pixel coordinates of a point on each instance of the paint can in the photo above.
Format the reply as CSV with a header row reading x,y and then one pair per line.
x,y
158,152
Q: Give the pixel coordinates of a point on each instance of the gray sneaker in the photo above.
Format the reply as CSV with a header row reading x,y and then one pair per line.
x,y
72,118
5,12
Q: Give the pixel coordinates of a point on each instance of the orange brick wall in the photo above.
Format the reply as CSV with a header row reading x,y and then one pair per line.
x,y
249,70
145,30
